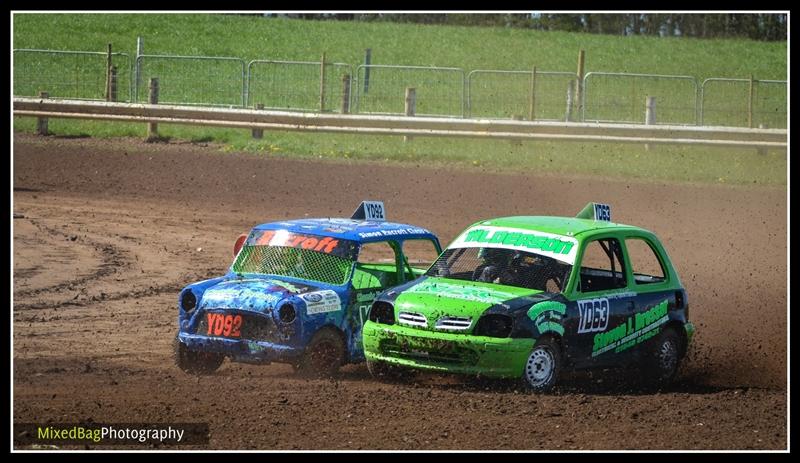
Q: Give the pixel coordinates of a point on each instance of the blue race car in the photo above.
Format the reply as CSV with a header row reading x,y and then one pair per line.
x,y
298,292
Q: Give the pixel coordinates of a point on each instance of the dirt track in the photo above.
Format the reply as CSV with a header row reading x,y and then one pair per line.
x,y
112,231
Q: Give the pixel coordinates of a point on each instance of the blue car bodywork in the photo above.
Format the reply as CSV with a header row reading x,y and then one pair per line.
x,y
290,280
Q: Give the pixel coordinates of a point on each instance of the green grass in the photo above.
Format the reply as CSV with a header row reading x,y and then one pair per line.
x,y
408,44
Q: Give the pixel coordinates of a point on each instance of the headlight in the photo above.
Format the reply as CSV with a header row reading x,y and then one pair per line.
x,y
188,301
382,312
287,313
494,325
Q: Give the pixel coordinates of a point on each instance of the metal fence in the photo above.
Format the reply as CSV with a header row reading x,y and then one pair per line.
x,y
79,75
728,102
507,94
380,89
192,80
439,91
295,85
620,97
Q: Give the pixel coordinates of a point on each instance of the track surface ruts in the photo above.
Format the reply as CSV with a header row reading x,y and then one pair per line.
x,y
111,232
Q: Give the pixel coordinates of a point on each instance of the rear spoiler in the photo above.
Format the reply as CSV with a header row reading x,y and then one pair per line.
x,y
595,211
370,210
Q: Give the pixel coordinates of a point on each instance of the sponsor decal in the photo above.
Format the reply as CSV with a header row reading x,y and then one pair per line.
x,y
547,316
322,301
467,293
394,232
593,315
295,240
637,329
559,247
289,286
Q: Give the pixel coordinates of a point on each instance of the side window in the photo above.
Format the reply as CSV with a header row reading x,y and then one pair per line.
x,y
602,266
419,254
645,265
376,266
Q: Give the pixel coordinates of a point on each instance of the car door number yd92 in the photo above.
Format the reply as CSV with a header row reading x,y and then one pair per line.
x,y
224,325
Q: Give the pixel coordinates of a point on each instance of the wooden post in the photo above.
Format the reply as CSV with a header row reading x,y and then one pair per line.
x,y
41,122
346,94
649,115
570,96
152,127
108,73
517,142
579,92
139,52
762,151
322,84
411,106
113,84
750,103
258,133
532,99
367,62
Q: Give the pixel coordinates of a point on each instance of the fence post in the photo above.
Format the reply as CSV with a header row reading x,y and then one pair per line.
x,y
570,96
579,93
649,115
41,122
113,84
532,100
367,61
139,52
108,73
322,84
346,94
152,127
762,151
750,103
517,142
258,133
411,106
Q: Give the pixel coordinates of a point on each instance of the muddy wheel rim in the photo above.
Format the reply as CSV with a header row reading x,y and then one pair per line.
x,y
540,366
667,356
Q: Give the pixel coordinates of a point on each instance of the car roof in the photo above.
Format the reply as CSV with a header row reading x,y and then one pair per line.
x,y
362,231
568,226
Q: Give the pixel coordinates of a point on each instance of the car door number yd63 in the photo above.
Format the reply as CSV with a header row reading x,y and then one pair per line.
x,y
593,315
224,325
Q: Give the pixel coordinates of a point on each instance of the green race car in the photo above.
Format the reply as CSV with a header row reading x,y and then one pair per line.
x,y
525,297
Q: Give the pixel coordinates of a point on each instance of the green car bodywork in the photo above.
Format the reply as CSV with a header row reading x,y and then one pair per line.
x,y
593,312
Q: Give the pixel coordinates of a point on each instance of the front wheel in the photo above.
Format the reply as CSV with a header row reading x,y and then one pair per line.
x,y
386,371
323,356
196,362
543,366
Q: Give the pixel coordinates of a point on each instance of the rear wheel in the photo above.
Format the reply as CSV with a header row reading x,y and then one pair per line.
x,y
323,355
543,366
663,358
196,362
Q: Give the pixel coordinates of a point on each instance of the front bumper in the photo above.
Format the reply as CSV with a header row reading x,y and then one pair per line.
x,y
446,352
241,350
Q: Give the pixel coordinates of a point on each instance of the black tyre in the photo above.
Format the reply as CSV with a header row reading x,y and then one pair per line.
x,y
543,366
196,362
324,354
663,358
388,372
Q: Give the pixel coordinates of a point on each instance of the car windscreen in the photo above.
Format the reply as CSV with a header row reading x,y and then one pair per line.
x,y
298,255
502,266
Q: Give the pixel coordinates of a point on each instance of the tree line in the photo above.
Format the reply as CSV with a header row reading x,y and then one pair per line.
x,y
756,26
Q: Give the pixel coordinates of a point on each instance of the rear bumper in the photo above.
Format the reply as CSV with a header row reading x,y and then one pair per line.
x,y
446,352
241,350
